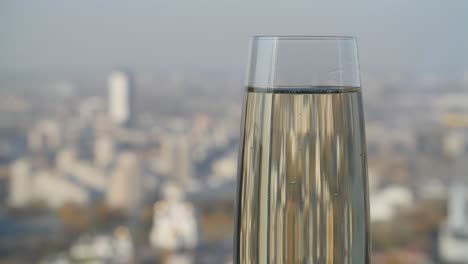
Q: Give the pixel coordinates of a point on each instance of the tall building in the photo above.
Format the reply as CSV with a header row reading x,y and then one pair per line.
x,y
120,98
104,151
125,190
182,160
453,237
457,209
20,184
176,151
176,160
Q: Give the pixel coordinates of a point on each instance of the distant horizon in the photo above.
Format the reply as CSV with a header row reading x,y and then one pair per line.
x,y
95,69
220,71
417,36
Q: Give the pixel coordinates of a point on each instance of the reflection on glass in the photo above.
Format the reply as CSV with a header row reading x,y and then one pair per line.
x,y
302,187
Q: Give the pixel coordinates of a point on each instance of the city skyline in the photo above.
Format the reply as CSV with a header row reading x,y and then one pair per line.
x,y
78,167
118,188
119,125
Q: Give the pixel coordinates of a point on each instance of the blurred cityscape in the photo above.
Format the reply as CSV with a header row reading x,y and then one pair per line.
x,y
140,167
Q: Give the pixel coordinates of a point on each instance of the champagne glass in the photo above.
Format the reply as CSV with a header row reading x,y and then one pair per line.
x,y
302,184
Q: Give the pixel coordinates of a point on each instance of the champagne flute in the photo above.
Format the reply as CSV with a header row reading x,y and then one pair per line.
x,y
302,179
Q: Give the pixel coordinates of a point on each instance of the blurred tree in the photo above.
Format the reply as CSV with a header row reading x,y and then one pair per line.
x,y
74,218
394,259
216,226
412,229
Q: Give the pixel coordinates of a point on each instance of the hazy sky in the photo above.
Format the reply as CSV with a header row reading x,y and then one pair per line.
x,y
409,35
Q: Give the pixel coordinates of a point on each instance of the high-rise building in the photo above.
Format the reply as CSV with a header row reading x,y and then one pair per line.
x,y
182,160
20,184
176,151
104,151
120,98
125,191
453,237
457,209
176,160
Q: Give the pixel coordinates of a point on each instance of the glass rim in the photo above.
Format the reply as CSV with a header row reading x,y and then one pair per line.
x,y
302,37
323,60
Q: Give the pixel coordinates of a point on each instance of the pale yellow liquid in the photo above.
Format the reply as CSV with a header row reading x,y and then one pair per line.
x,y
302,190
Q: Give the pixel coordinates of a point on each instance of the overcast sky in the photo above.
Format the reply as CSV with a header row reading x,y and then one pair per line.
x,y
408,35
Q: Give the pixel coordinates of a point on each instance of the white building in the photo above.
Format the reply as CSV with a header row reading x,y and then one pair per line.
x,y
55,190
224,170
181,159
117,248
453,238
71,182
79,171
385,203
120,98
104,151
20,191
185,258
175,159
174,222
125,190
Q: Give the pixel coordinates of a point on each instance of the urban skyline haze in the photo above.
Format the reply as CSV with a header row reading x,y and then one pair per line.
x,y
51,36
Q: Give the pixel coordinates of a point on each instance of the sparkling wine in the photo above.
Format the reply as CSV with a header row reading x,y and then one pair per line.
x,y
302,190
